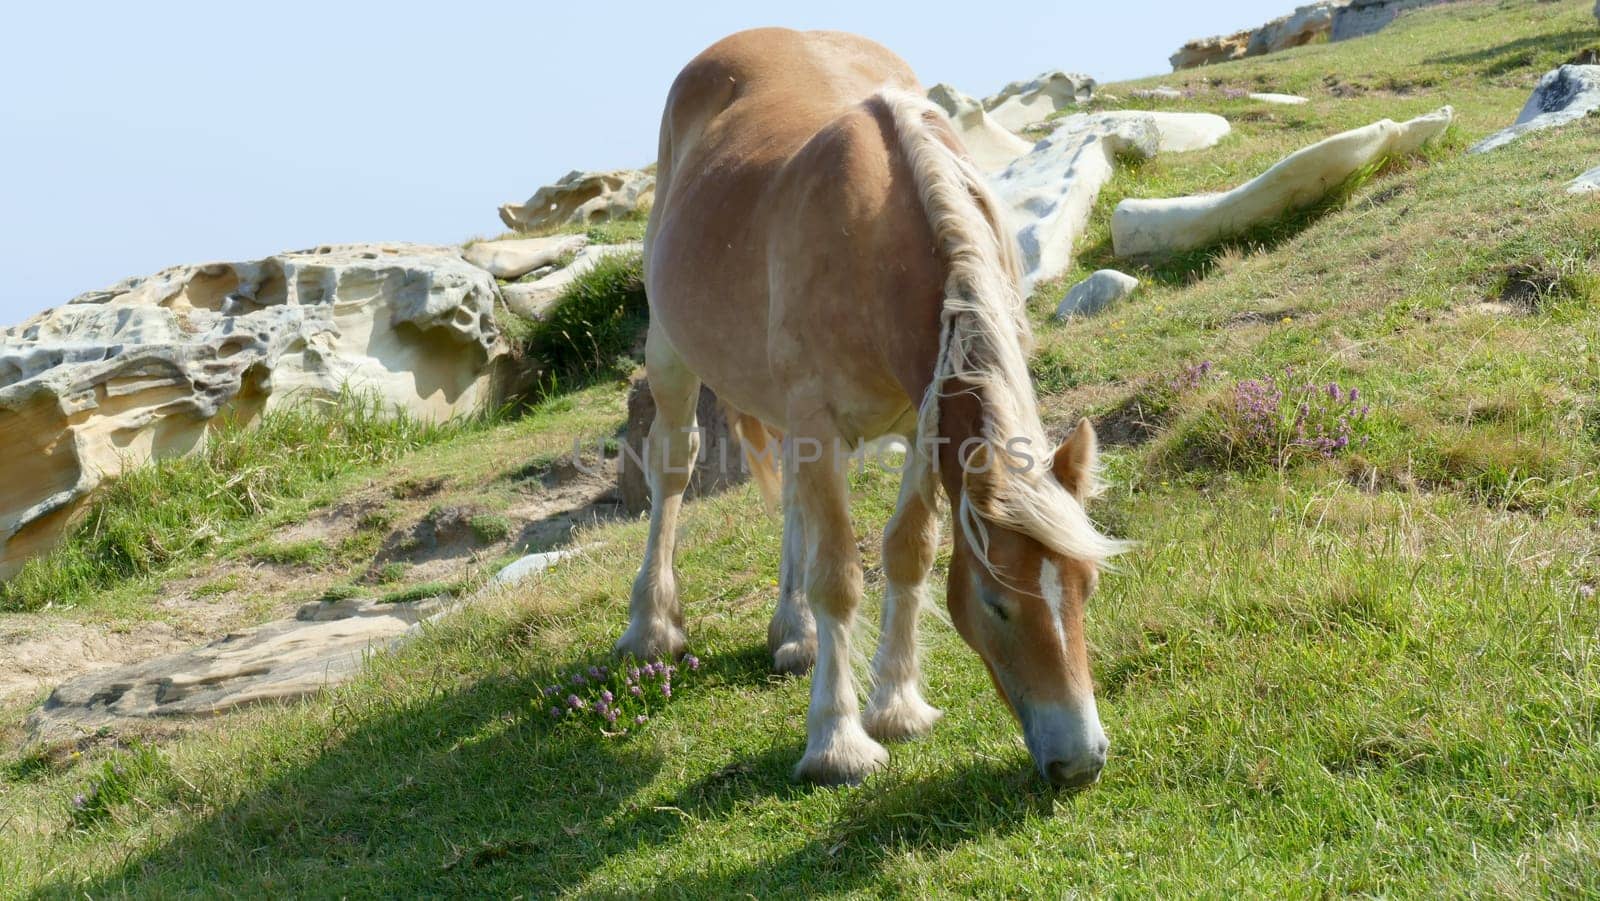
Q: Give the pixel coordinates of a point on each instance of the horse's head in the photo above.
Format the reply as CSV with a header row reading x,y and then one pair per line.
x,y
1026,560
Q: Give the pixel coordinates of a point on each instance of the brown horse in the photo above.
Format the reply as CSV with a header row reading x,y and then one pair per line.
x,y
823,254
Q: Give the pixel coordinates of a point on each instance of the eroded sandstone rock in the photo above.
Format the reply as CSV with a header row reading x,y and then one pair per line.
x,y
582,198
141,370
1359,18
324,644
1282,99
992,146
1563,95
1154,227
532,299
1587,183
514,259
1305,25
1022,103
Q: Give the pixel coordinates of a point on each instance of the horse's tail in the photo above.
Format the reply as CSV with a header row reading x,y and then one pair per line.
x,y
760,446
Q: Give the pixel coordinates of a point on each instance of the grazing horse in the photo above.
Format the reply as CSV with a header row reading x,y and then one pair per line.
x,y
824,255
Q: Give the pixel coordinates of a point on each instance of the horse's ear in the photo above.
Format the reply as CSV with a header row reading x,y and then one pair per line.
x,y
1074,462
980,478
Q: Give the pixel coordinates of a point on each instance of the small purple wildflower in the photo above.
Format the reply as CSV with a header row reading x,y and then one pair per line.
x,y
555,713
666,689
636,691
641,719
579,680
575,702
80,802
693,661
594,673
606,696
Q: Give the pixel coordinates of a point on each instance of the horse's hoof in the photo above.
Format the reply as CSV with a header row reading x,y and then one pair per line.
x,y
846,758
900,716
659,642
794,658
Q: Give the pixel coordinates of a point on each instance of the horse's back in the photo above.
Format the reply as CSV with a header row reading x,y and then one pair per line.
x,y
774,159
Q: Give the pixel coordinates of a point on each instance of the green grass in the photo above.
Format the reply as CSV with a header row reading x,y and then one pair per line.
x,y
155,516
592,331
1377,674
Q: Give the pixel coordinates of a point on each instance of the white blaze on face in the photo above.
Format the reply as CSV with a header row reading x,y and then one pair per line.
x,y
1050,587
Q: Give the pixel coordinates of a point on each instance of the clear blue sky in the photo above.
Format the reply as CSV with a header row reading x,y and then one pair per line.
x,y
140,135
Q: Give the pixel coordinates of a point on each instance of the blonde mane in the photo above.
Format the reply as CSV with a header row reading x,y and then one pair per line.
x,y
984,341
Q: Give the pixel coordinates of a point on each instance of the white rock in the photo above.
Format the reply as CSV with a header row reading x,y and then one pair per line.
x,y
1175,132
1051,191
582,198
141,370
531,565
1160,92
514,259
1095,293
1146,227
1285,99
1563,95
1022,103
991,146
1587,183
532,300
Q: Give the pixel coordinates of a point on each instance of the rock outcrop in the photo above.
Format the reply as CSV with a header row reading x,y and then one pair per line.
x,y
1155,227
532,299
514,259
1052,189
992,147
1281,99
582,198
1100,290
1022,103
1359,18
143,369
1305,25
1563,95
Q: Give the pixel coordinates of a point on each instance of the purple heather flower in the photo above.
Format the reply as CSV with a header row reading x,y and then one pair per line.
x,y
1355,394
606,696
1333,391
635,690
693,661
611,717
640,720
594,672
666,689
575,702
555,713
578,679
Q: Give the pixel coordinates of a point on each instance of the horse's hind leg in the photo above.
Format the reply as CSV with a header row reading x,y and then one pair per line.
x,y
655,619
897,710
792,634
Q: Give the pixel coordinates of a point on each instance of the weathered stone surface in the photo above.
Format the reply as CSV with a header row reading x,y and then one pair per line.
x,y
582,198
514,259
1152,227
1303,26
140,370
1563,95
324,644
720,464
1359,18
1100,290
532,299
1159,92
1587,183
1022,103
992,147
527,567
1284,99
1052,189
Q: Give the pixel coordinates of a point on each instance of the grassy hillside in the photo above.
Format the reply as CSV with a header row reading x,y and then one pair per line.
x,y
1366,668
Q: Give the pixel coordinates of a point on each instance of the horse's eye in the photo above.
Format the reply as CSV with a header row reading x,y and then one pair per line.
x,y
997,608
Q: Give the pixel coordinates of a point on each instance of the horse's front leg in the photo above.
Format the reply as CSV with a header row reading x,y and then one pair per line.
x,y
897,710
838,749
655,619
